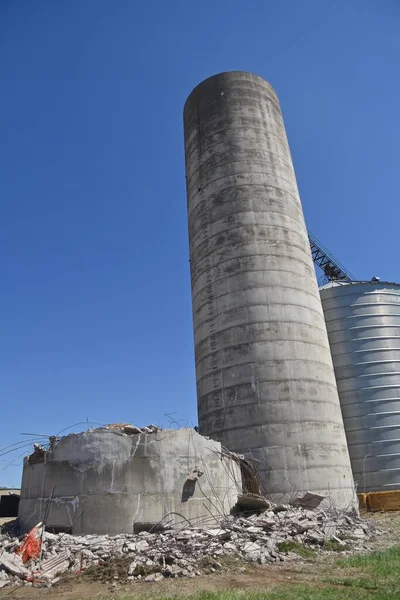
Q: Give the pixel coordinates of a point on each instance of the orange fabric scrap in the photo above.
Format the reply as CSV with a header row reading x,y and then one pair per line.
x,y
31,546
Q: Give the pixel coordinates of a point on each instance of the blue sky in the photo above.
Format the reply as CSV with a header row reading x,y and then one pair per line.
x,y
95,309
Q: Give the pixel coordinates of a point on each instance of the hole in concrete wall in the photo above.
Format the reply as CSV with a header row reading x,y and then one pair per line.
x,y
250,479
59,529
188,490
153,527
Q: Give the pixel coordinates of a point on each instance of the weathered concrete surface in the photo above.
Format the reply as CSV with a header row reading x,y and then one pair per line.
x,y
265,381
108,482
363,322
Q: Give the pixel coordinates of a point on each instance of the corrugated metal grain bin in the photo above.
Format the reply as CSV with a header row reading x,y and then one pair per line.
x,y
363,322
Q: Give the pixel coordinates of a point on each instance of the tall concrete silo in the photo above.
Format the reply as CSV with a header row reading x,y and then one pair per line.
x,y
363,322
265,381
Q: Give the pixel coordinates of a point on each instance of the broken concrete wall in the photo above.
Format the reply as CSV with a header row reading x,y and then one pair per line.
x,y
107,482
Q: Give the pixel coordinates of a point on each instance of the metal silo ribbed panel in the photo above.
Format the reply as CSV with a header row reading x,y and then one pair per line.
x,y
363,322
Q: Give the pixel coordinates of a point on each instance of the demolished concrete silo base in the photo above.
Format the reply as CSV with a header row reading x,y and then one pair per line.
x,y
113,480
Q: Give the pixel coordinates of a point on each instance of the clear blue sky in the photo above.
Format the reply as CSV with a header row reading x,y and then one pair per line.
x,y
95,302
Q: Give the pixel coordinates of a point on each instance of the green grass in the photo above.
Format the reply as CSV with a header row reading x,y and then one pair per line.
x,y
294,546
334,546
292,593
374,576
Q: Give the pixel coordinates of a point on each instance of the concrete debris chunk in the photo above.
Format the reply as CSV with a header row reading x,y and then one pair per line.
x,y
54,566
12,563
252,550
154,577
4,579
216,532
141,546
253,502
253,529
358,533
309,500
131,429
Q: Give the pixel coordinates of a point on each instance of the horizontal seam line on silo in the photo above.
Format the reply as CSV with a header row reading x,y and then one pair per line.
x,y
384,374
359,402
377,471
202,163
303,422
370,387
221,262
238,364
283,160
382,400
216,411
292,187
216,280
246,185
397,484
387,337
336,304
260,96
245,289
350,353
241,212
258,126
244,256
192,144
374,314
377,362
366,430
341,299
268,132
374,305
343,395
238,162
391,441
390,348
357,367
380,325
239,386
374,309
226,312
394,288
257,287
221,370
368,442
243,226
222,331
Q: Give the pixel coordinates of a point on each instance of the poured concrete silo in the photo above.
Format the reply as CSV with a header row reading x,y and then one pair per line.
x,y
265,381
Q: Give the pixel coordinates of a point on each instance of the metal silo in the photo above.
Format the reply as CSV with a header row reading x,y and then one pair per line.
x,y
363,322
265,381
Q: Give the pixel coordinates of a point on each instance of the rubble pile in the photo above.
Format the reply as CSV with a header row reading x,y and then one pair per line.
x,y
129,429
149,556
